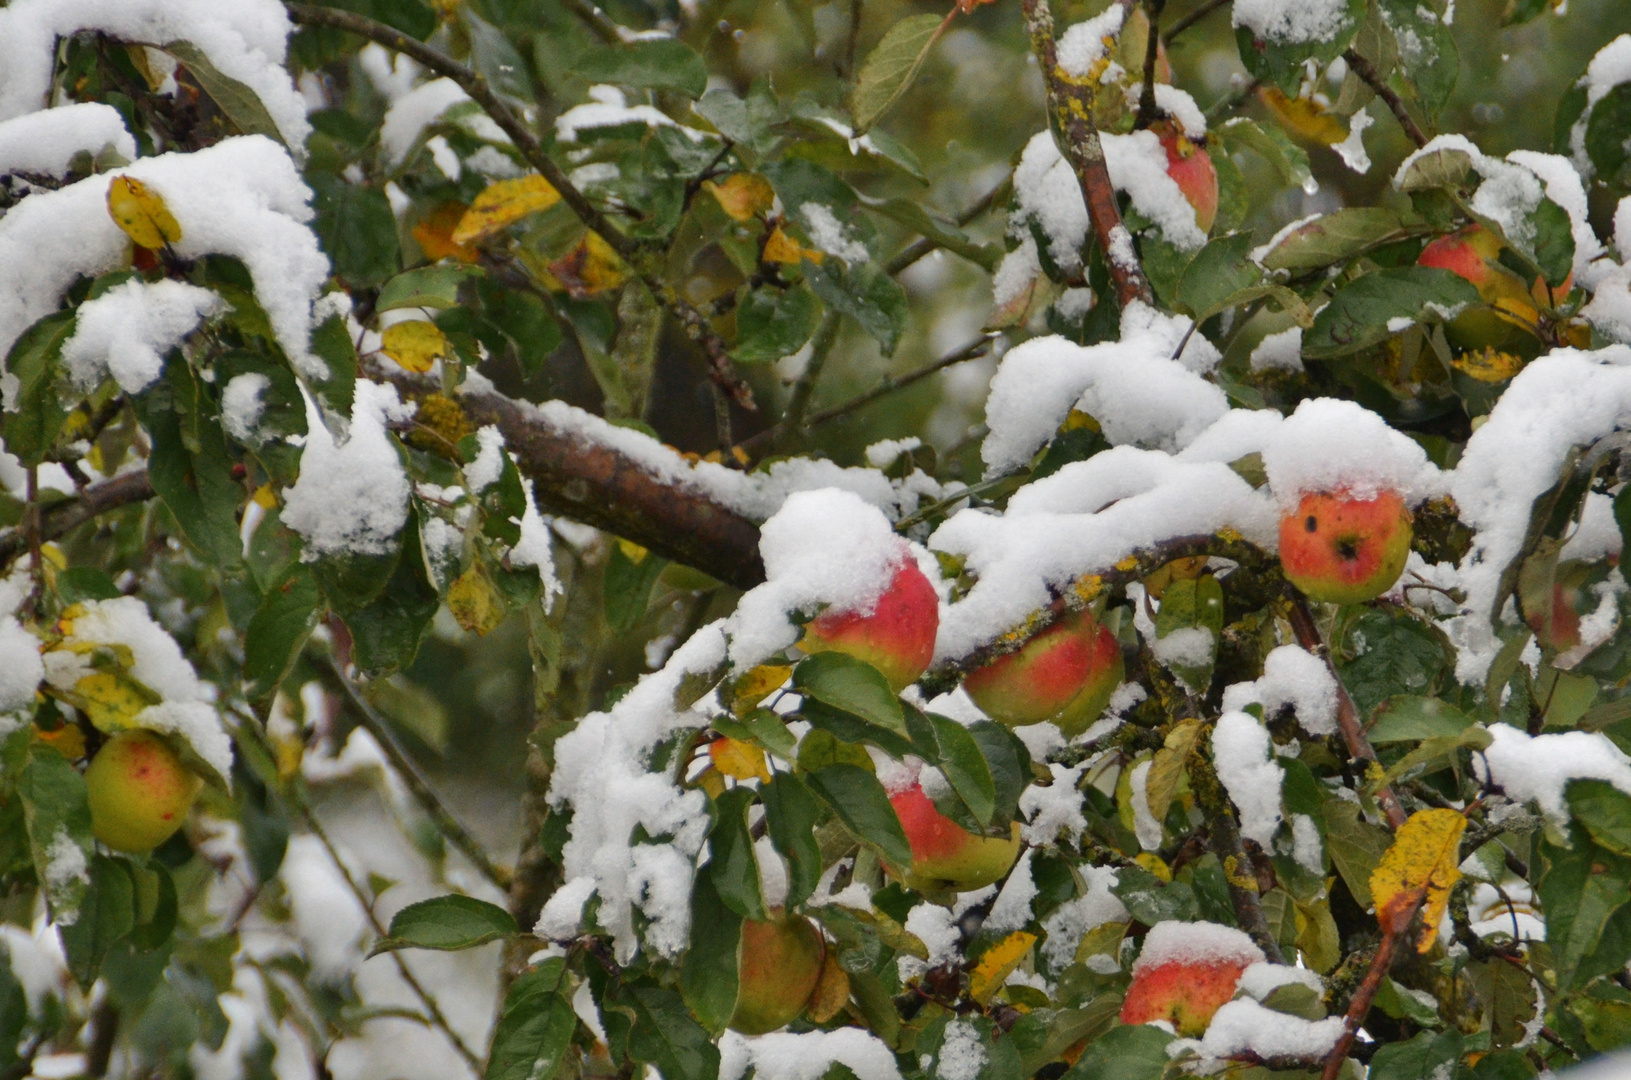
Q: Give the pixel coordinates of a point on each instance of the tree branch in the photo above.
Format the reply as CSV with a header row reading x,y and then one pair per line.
x,y
1191,19
1367,72
94,501
720,368
1148,111
1070,100
1359,1004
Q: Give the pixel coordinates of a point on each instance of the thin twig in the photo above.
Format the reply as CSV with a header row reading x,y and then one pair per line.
x,y
425,997
923,245
1191,19
1367,72
720,368
1359,1005
448,825
1359,747
1148,111
596,19
798,402
1070,101
953,499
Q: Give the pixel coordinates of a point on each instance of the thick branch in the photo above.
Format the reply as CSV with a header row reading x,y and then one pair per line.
x,y
1359,1005
1070,100
95,500
1366,71
720,368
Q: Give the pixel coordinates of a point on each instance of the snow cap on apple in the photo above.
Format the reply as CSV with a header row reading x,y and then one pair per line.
x,y
1185,973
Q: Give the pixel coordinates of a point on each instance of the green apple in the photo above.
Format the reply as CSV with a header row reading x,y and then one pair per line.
x,y
778,967
139,791
944,854
1065,674
896,636
1345,550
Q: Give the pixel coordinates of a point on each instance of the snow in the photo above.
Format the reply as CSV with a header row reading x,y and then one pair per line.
x,y
535,549
1055,809
609,108
1538,767
65,868
1243,755
1306,846
884,452
1292,22
242,405
1134,388
157,663
1187,646
1279,351
489,463
1012,909
1330,445
21,668
1566,398
827,233
1291,676
825,547
127,330
1176,103
1263,978
961,1056
45,143
411,113
1082,44
806,1055
1145,826
937,928
1622,229
1610,67
245,40
1071,921
351,497
1564,187
1083,520
240,197
1243,1026
1171,942
1352,149
1015,275
601,773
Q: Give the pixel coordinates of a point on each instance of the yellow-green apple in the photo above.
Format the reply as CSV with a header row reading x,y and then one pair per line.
x,y
139,791
1191,166
778,967
1065,674
1187,972
1512,309
944,854
1342,549
896,635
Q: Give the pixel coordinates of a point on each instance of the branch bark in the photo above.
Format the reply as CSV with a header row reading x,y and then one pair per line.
x,y
94,501
1070,100
1367,71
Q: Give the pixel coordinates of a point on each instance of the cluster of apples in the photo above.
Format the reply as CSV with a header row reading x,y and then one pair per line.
x,y
139,790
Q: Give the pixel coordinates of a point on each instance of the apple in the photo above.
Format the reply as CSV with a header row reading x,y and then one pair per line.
x,y
1513,309
139,791
1342,549
1191,166
944,854
778,967
1185,994
1065,674
896,636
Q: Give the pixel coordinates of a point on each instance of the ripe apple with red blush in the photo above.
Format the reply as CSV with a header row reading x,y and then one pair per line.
x,y
1065,674
896,635
1345,547
1186,973
1191,167
944,854
1511,309
778,966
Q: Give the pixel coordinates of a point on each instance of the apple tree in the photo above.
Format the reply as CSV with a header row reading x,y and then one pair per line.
x,y
866,541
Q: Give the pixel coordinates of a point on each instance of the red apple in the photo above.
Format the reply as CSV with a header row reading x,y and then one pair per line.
x,y
1065,674
778,966
944,854
1345,550
1513,308
896,636
1191,166
1187,972
139,792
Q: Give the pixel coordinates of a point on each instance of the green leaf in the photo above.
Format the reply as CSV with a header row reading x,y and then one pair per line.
x,y
1429,59
649,65
1554,241
240,104
791,815
285,619
959,757
891,67
58,820
332,344
1333,239
852,686
535,1029
863,806
866,294
1604,810
1386,654
386,632
772,323
1219,270
1129,1052
627,588
1356,847
911,214
1358,315
356,227
106,915
1270,143
1581,888
665,1035
1407,718
1283,62
13,1010
189,464
710,972
1608,132
732,866
749,122
1186,606
434,287
1401,1004
34,415
1427,1053
1151,900
1010,765
446,923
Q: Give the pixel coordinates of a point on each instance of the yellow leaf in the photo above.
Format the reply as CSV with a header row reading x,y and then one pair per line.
x,y
474,602
1167,770
141,213
503,204
590,269
1422,865
632,551
67,740
711,781
742,195
435,234
754,686
997,964
1152,862
741,760
1488,365
265,497
110,699
831,992
1304,117
415,345
781,248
